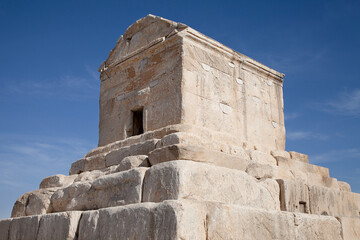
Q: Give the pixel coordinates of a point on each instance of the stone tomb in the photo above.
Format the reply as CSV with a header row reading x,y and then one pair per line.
x,y
191,146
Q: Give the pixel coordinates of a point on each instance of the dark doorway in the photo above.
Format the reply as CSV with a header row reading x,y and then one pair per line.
x,y
138,127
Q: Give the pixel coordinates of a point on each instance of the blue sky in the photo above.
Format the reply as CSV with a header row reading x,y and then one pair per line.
x,y
49,86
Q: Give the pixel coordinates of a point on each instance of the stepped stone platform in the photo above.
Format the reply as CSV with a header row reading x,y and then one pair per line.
x,y
191,146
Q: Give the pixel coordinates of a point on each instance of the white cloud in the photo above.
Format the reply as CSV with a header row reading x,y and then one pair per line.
x,y
346,103
23,159
84,86
291,116
293,62
336,155
302,135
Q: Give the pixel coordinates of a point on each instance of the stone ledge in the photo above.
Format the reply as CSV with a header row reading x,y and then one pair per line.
x,y
199,154
177,220
198,181
297,196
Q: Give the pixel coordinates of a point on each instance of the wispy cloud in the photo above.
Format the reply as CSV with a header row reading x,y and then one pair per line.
x,y
296,61
84,86
291,116
303,135
26,158
346,103
336,156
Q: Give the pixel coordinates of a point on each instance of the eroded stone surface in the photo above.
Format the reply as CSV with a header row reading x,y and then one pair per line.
x,y
199,154
4,228
58,180
110,190
350,227
191,180
167,220
24,228
33,203
59,226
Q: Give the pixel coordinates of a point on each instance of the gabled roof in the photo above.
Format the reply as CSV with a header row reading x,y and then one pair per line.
x,y
141,33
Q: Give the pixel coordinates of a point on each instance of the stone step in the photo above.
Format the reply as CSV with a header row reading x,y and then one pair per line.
x,y
110,190
198,181
350,227
38,201
199,154
101,161
179,179
174,219
297,196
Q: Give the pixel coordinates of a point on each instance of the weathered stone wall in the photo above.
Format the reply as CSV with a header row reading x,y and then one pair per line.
x,y
178,75
224,91
142,71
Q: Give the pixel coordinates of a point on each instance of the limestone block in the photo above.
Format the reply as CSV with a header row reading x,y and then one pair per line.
x,y
350,227
88,175
133,162
110,190
24,228
316,227
344,186
280,153
294,196
59,226
299,156
164,221
199,181
327,201
20,206
236,222
259,171
39,202
198,154
88,164
262,158
89,225
58,180
115,157
33,203
178,137
308,173
4,228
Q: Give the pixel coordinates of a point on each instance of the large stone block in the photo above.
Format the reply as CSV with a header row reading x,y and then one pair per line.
x,y
24,228
344,186
59,226
33,203
262,158
327,201
164,221
294,196
299,156
308,173
115,157
260,171
236,222
199,181
350,227
58,180
198,154
133,162
4,228
110,190
88,164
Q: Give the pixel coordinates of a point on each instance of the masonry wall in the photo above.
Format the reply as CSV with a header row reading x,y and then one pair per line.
x,y
150,80
223,93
